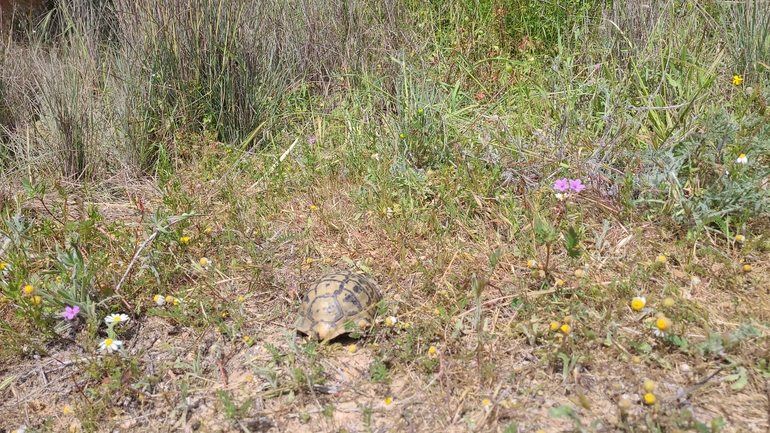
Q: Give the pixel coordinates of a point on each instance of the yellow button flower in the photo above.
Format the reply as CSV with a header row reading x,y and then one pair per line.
x,y
649,398
737,80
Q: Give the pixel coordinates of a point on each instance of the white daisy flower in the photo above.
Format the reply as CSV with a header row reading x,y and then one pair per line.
x,y
638,303
160,300
204,262
742,159
663,326
115,318
109,345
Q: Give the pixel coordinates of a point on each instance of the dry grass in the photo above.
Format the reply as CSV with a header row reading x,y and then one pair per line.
x,y
515,368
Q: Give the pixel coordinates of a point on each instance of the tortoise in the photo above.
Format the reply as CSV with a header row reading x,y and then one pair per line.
x,y
333,300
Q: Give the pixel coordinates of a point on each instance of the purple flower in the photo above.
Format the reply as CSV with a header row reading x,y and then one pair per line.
x,y
561,185
576,185
311,140
70,312
597,67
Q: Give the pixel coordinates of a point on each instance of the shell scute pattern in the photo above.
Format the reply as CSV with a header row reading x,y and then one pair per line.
x,y
334,299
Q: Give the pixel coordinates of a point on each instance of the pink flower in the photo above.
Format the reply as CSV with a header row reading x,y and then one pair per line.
x,y
70,312
576,185
311,140
561,185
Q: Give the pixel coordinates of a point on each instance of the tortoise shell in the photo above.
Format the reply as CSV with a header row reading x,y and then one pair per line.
x,y
333,300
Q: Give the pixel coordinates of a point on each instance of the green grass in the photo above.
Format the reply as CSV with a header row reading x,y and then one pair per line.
x,y
416,142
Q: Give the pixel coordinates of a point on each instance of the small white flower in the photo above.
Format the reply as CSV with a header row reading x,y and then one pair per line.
x,y
559,196
742,159
115,318
109,345
390,321
160,300
204,262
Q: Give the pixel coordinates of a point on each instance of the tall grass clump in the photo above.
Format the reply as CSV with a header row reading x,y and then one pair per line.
x,y
109,86
746,27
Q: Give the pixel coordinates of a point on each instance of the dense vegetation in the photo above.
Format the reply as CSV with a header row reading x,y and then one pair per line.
x,y
566,204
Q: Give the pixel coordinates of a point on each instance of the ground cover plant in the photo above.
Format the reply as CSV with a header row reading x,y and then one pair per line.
x,y
565,205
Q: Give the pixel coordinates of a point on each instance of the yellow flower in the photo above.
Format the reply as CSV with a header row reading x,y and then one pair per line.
x,y
246,339
567,319
486,403
352,348
309,260
554,326
565,328
3,265
432,350
737,80
649,398
420,111
313,207
661,259
739,238
36,300
636,360
388,401
170,299
160,300
559,282
390,321
649,386
28,289
67,409
207,230
407,324
184,239
638,303
579,273
669,302
532,264
204,262
663,325
241,299
746,268
436,311
402,136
